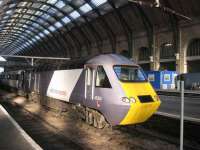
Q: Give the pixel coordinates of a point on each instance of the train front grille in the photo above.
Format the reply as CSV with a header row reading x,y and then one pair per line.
x,y
145,99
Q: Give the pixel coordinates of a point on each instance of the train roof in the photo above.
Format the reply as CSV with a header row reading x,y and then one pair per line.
x,y
110,59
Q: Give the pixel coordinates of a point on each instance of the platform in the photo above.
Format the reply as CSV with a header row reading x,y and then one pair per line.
x,y
12,136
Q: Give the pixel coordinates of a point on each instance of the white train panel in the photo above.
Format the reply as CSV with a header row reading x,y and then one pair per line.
x,y
63,83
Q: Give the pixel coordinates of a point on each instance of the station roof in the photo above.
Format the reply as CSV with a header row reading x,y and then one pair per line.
x,y
70,28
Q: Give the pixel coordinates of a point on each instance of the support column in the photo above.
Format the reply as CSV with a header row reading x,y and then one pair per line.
x,y
181,56
154,59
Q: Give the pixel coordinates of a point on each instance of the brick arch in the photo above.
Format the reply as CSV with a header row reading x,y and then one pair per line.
x,y
193,48
167,50
144,53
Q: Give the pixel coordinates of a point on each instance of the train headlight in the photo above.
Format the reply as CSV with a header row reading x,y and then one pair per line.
x,y
128,100
133,100
125,100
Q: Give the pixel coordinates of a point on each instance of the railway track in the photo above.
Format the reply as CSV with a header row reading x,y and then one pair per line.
x,y
43,133
155,135
49,137
168,129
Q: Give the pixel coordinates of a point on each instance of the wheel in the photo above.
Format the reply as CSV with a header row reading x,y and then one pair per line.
x,y
99,120
93,117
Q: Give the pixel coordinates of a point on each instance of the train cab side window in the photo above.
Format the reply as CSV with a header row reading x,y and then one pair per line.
x,y
101,78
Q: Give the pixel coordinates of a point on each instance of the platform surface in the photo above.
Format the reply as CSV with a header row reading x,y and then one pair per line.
x,y
12,136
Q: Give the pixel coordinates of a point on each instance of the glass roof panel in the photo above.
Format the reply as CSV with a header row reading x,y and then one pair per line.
x,y
40,21
36,5
37,37
34,40
51,1
66,20
9,11
46,16
26,16
85,8
33,17
74,14
60,4
22,3
35,24
44,7
5,17
31,11
98,2
51,28
58,24
18,10
12,5
25,26
52,11
46,32
31,41
41,35
38,13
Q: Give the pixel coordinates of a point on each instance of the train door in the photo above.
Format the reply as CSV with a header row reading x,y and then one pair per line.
x,y
89,85
103,90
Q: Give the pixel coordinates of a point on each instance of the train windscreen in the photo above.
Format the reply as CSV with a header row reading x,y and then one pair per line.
x,y
129,73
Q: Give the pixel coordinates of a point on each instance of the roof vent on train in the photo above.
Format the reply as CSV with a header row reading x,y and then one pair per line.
x,y
110,59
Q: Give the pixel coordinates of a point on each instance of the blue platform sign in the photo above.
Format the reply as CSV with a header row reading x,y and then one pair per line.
x,y
162,79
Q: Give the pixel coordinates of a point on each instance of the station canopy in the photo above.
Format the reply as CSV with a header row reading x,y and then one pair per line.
x,y
78,28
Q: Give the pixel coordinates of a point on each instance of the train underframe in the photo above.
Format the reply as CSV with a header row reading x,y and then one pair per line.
x,y
89,115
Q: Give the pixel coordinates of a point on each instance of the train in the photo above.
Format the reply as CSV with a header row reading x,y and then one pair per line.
x,y
110,89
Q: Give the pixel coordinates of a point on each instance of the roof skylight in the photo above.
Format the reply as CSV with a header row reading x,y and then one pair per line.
x,y
51,1
51,28
60,4
58,24
74,14
46,32
9,12
37,37
66,20
41,35
85,8
98,2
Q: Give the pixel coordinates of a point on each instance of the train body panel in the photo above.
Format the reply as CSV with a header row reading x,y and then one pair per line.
x,y
141,110
62,84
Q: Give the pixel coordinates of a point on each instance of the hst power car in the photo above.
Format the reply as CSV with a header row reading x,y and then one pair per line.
x,y
109,88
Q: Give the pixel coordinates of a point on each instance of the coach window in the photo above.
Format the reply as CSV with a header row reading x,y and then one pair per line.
x,y
101,78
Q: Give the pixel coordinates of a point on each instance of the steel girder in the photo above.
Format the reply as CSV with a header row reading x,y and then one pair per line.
x,y
96,34
33,21
148,26
31,25
18,34
64,14
127,30
175,27
106,27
